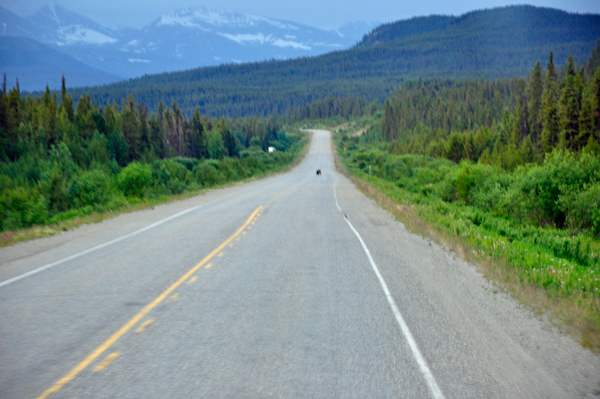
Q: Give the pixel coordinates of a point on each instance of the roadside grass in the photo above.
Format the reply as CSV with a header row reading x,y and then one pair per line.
x,y
529,263
76,217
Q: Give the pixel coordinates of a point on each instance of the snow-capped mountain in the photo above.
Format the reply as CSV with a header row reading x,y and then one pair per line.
x,y
187,38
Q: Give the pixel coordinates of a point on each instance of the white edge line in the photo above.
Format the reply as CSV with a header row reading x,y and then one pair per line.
x,y
335,195
106,244
434,389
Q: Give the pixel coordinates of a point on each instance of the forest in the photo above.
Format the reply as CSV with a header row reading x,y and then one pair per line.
x,y
59,161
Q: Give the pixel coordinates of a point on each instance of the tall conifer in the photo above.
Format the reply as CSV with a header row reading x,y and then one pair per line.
x,y
550,118
536,89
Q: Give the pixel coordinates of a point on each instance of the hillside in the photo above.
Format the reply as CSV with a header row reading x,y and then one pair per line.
x,y
501,42
36,65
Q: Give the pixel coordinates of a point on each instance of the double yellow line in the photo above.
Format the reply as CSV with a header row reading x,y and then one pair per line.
x,y
116,336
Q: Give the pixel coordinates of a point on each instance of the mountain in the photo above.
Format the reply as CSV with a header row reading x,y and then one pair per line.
x,y
184,39
37,65
505,27
468,46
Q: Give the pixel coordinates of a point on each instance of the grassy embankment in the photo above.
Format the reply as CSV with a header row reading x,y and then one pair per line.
x,y
492,217
98,195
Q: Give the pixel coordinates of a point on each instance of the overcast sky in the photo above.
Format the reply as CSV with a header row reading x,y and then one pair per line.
x,y
326,14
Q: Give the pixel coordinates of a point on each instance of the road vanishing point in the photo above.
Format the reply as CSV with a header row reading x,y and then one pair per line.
x,y
292,286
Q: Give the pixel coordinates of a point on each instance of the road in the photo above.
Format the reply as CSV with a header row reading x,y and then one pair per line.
x,y
293,286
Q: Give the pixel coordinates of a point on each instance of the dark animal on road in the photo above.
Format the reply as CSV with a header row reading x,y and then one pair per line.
x,y
318,172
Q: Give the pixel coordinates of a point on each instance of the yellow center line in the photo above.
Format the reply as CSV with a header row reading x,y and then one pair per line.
x,y
208,266
107,360
116,336
193,279
174,298
144,325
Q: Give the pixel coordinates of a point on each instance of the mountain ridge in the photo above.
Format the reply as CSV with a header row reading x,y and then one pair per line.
x,y
371,72
185,38
37,65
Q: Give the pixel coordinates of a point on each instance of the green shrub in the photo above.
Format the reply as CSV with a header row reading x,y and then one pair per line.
x,y
583,209
169,176
207,173
134,179
22,207
188,163
91,188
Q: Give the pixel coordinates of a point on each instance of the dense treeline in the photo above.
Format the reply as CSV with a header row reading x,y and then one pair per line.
x,y
58,160
333,107
505,122
495,43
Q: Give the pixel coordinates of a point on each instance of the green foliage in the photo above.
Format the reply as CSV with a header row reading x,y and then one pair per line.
x,y
506,122
583,208
170,176
22,207
134,179
543,218
91,189
57,162
207,173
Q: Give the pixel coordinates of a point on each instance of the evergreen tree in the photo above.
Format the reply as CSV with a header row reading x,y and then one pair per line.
x,y
469,150
593,62
199,135
536,89
155,136
527,152
595,94
67,100
550,119
586,123
130,127
521,115
570,107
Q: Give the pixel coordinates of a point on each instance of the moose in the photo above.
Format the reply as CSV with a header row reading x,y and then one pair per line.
x,y
318,172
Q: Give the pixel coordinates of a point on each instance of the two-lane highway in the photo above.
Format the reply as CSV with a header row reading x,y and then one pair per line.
x,y
292,286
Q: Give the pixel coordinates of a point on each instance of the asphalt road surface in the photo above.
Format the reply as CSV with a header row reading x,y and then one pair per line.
x,y
293,286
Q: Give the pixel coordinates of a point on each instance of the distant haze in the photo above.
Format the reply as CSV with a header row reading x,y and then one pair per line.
x,y
322,14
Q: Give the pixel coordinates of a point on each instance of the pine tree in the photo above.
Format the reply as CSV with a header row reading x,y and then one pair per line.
x,y
593,62
570,107
527,152
586,123
469,151
155,136
536,89
550,119
130,127
199,135
67,100
595,94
